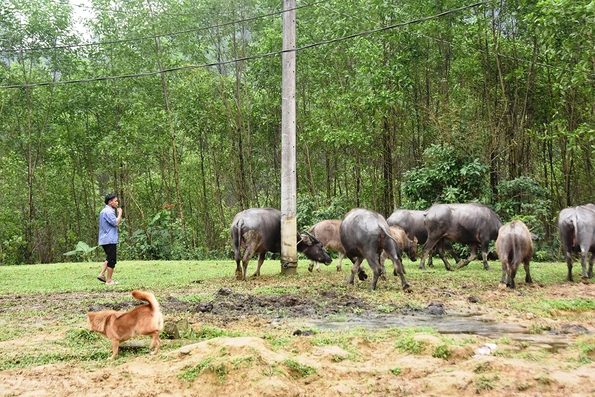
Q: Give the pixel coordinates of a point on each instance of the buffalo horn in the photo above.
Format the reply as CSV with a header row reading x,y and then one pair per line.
x,y
311,236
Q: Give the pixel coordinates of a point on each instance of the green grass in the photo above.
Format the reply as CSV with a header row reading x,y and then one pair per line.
x,y
175,275
197,281
299,370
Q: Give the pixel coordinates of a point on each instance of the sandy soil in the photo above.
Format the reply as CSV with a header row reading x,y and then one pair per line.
x,y
277,353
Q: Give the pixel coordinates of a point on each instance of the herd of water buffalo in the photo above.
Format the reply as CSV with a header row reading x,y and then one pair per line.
x,y
365,234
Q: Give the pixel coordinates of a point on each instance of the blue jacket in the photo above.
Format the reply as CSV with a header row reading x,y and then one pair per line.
x,y
108,231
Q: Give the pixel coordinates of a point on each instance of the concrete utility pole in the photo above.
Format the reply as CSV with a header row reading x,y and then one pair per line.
x,y
288,132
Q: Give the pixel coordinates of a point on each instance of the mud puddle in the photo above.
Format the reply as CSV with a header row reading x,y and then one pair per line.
x,y
474,324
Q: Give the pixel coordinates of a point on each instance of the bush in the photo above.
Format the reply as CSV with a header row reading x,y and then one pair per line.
x,y
449,174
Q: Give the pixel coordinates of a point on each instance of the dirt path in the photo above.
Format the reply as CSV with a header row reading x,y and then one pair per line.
x,y
304,344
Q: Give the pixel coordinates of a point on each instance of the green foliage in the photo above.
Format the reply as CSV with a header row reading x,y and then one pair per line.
x,y
485,383
191,373
586,349
522,196
448,175
442,351
313,209
403,117
82,251
408,344
299,370
13,251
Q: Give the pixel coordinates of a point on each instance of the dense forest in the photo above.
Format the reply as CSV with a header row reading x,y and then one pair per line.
x,y
176,106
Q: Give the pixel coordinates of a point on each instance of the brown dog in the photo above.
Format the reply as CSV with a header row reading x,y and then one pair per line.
x,y
121,326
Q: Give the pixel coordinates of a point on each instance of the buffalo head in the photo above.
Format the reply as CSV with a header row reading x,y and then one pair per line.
x,y
312,248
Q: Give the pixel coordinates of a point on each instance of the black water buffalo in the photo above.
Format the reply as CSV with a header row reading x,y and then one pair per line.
x,y
258,230
327,232
514,245
576,227
473,224
412,221
364,235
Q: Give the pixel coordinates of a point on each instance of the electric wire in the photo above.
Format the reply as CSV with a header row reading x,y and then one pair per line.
x,y
474,49
152,37
252,57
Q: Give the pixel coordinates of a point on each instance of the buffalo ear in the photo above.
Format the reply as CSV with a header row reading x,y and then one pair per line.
x,y
312,237
306,239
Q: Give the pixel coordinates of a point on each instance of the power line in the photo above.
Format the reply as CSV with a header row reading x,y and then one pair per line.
x,y
474,48
264,55
103,43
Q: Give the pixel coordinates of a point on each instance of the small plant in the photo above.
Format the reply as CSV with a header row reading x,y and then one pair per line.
x,y
486,383
537,329
207,332
483,367
82,250
408,344
277,341
442,351
385,309
523,386
82,335
396,371
190,374
242,362
299,369
586,348
337,358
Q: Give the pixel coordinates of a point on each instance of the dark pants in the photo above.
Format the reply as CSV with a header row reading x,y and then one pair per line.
x,y
110,253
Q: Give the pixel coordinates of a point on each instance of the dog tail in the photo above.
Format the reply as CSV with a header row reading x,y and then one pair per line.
x,y
146,296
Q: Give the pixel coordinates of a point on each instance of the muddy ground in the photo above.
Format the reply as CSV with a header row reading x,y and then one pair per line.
x,y
312,336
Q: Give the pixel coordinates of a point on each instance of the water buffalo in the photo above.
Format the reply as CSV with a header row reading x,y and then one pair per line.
x,y
406,245
576,227
473,224
327,232
412,221
364,234
514,245
258,230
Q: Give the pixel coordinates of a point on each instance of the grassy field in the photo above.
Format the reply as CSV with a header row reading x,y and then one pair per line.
x,y
178,275
199,281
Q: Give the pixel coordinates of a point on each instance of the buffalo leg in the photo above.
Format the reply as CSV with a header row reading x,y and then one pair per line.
x,y
395,255
311,266
373,258
247,256
485,246
512,269
590,273
528,278
472,257
400,271
440,251
239,272
260,260
584,255
427,250
569,261
376,271
354,269
341,256
504,279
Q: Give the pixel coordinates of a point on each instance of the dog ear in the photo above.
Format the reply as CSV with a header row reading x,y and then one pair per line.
x,y
97,320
